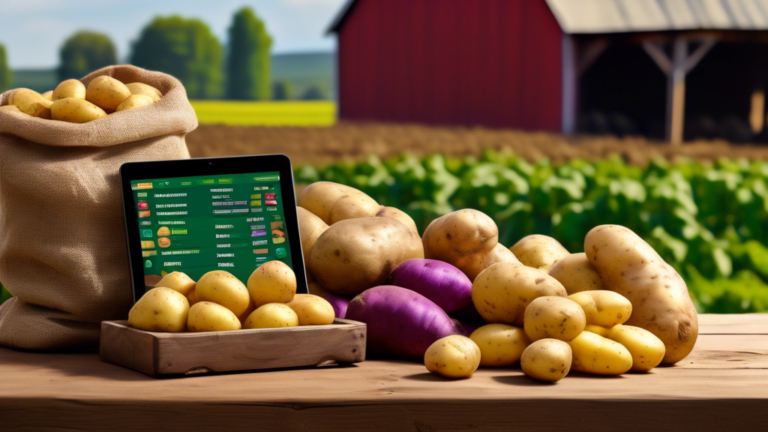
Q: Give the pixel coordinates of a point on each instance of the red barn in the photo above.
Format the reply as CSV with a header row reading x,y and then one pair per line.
x,y
556,65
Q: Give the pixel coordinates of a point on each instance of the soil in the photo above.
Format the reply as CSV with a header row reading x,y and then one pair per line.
x,y
355,141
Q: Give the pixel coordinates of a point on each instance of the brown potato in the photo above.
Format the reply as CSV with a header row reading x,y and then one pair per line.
x,y
462,238
539,251
134,101
310,228
138,88
76,111
334,202
577,274
70,88
660,300
399,215
31,102
356,254
106,92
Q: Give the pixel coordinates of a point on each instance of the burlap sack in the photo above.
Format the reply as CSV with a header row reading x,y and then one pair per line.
x,y
62,237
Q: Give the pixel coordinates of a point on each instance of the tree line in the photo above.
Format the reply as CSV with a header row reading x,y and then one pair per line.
x,y
188,50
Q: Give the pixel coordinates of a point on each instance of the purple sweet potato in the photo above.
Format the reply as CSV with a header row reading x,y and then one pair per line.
x,y
438,281
338,302
400,322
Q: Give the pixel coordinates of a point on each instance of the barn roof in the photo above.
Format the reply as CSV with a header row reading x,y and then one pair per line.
x,y
627,16
624,16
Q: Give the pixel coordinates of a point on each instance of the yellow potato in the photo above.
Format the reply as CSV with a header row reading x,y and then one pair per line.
x,y
354,255
602,331
547,360
503,291
603,308
453,356
192,297
598,355
106,93
310,228
177,281
48,95
138,88
539,251
30,102
244,316
76,111
222,287
499,254
553,317
272,282
577,274
463,239
312,309
161,310
207,316
500,344
134,101
333,202
398,215
70,88
646,349
660,300
272,315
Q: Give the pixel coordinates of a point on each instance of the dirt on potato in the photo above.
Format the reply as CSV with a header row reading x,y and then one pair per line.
x,y
355,141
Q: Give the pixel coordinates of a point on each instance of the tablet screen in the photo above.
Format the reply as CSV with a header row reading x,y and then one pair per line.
x,y
198,224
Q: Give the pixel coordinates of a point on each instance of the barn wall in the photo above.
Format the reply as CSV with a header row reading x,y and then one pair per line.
x,y
480,62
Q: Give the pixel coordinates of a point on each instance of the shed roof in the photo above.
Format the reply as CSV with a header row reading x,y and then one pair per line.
x,y
626,16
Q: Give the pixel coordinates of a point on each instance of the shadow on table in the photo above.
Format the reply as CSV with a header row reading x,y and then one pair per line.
x,y
71,364
430,377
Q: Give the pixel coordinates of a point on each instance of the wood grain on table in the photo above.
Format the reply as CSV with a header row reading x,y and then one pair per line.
x,y
722,385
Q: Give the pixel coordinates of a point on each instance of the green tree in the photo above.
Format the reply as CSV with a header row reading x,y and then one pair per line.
x,y
5,70
186,49
83,53
282,90
248,60
313,93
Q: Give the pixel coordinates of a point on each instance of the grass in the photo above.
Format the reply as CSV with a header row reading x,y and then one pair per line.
x,y
290,113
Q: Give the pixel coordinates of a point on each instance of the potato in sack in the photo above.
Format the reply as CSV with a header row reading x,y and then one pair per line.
x,y
71,169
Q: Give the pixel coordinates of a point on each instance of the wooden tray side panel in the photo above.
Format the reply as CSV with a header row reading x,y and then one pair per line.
x,y
262,349
128,347
158,354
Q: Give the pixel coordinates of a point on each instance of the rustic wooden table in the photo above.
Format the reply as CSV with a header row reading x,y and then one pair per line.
x,y
722,385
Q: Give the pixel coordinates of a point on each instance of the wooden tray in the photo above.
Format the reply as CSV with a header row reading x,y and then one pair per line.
x,y
174,354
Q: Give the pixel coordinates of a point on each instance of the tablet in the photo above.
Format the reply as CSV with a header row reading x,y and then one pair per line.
x,y
200,215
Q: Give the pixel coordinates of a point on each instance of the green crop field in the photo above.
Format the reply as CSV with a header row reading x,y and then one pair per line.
x,y
314,113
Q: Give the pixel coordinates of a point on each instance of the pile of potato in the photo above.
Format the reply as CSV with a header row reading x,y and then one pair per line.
x,y
221,302
617,307
72,102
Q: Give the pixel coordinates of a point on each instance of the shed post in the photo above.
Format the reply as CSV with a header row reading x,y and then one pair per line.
x,y
570,84
676,92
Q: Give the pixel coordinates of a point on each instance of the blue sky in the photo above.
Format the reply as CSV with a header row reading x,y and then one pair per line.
x,y
33,30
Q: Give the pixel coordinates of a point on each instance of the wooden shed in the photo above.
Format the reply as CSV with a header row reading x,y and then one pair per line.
x,y
647,67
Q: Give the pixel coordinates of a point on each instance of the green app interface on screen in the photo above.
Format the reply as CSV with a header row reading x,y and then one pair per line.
x,y
198,224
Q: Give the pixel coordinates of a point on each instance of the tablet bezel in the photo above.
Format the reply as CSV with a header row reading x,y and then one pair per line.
x,y
205,167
